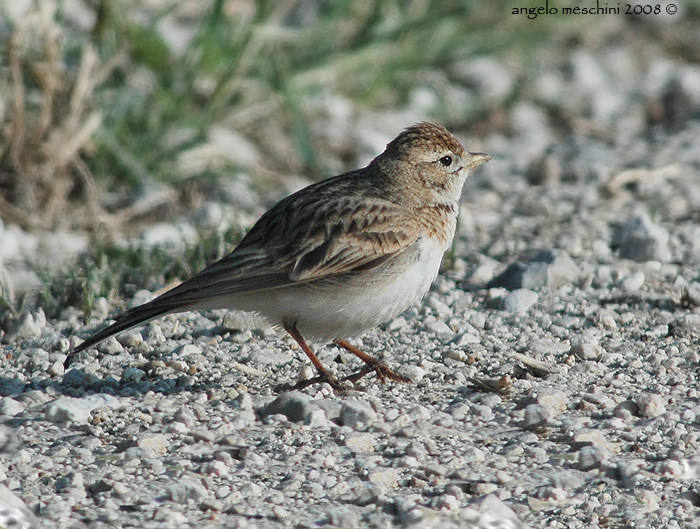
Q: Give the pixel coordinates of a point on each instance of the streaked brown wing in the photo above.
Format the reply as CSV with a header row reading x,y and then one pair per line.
x,y
360,237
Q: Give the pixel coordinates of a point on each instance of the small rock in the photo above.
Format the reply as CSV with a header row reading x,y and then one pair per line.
x,y
357,414
642,240
455,354
251,490
463,340
24,328
493,513
234,146
71,485
133,374
77,378
587,351
590,457
671,468
57,368
216,468
438,327
360,442
651,405
14,513
371,492
211,504
438,306
11,386
537,415
484,272
153,441
385,476
632,282
187,489
547,269
397,324
130,339
294,405
177,237
10,407
9,442
187,350
558,400
414,373
78,410
110,346
101,485
626,409
317,419
629,472
185,415
519,301
692,294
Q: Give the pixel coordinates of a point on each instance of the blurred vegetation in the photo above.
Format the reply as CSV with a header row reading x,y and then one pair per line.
x,y
107,101
112,104
110,98
115,272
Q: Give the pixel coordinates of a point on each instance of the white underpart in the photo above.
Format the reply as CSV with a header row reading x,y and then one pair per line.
x,y
339,314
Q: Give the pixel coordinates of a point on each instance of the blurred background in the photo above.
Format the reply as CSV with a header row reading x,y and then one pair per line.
x,y
139,139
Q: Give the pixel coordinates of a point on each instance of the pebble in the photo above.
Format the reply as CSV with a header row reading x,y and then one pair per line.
x,y
547,269
587,351
171,236
414,373
438,327
590,457
632,282
14,513
25,328
519,301
129,339
555,399
110,346
641,240
158,443
187,489
693,294
132,374
651,405
384,476
317,419
78,410
357,414
294,405
10,407
57,368
537,415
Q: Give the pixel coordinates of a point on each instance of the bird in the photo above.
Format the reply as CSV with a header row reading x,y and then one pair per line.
x,y
340,256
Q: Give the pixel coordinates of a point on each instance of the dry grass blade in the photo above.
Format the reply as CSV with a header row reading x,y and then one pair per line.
x,y
44,137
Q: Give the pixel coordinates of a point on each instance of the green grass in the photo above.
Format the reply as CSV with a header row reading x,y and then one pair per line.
x,y
116,273
256,72
131,105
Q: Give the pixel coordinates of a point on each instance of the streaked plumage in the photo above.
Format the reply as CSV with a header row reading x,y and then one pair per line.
x,y
340,256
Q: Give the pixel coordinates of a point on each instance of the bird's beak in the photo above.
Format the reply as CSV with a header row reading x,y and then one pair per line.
x,y
475,159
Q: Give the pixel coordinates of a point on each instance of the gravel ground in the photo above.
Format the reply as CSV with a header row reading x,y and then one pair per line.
x,y
555,362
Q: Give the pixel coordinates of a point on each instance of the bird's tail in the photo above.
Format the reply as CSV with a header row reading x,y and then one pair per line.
x,y
137,315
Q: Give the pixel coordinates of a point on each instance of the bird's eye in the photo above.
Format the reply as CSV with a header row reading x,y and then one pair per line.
x,y
445,161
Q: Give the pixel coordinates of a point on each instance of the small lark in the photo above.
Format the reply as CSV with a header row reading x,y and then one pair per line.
x,y
340,256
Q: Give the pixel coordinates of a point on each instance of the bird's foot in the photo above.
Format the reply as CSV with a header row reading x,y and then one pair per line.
x,y
383,373
338,386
